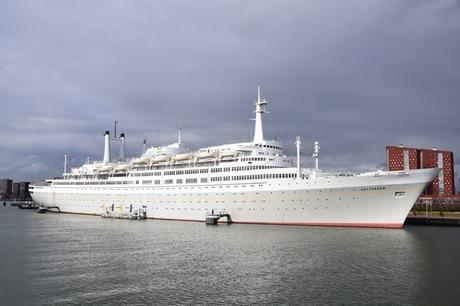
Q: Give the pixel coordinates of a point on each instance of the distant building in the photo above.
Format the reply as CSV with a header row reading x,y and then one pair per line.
x,y
404,158
15,191
23,190
5,188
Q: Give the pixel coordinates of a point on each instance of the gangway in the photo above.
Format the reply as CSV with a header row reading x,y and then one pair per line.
x,y
44,209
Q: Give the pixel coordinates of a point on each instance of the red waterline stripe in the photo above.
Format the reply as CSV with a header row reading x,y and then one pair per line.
x,y
366,225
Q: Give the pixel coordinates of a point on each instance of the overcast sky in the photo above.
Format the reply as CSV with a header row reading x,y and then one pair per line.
x,y
354,75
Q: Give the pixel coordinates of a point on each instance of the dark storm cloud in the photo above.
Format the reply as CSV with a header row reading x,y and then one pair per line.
x,y
354,75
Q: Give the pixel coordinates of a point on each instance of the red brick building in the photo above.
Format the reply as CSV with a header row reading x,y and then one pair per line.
x,y
403,158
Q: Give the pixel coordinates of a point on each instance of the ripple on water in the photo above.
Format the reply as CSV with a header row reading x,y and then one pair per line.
x,y
71,259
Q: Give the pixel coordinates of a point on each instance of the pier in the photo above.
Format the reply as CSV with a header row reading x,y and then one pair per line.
x,y
28,205
44,209
213,217
125,213
432,221
17,203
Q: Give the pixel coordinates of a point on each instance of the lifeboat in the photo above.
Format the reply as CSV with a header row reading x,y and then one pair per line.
x,y
229,154
182,157
160,159
204,155
121,168
141,161
106,168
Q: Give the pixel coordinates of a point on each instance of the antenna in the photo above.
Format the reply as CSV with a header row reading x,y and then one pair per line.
x,y
115,129
145,141
179,140
65,163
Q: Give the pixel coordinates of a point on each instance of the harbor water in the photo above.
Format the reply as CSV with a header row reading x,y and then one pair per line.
x,y
72,259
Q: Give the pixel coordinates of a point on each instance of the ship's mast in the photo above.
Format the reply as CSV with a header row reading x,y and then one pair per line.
x,y
298,142
316,155
260,108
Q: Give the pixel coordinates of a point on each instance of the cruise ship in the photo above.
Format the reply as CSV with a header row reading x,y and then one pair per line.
x,y
247,182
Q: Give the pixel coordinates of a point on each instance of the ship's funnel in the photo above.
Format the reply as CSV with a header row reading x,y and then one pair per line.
x,y
106,147
122,155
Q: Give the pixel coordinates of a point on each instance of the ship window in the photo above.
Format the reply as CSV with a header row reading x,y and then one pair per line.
x,y
179,181
168,181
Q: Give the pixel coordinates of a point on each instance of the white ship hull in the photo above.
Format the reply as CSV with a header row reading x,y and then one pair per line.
x,y
378,200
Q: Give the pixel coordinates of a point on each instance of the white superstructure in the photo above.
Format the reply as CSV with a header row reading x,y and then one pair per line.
x,y
253,182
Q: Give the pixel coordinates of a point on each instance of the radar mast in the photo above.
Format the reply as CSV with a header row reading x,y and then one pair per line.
x,y
260,108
